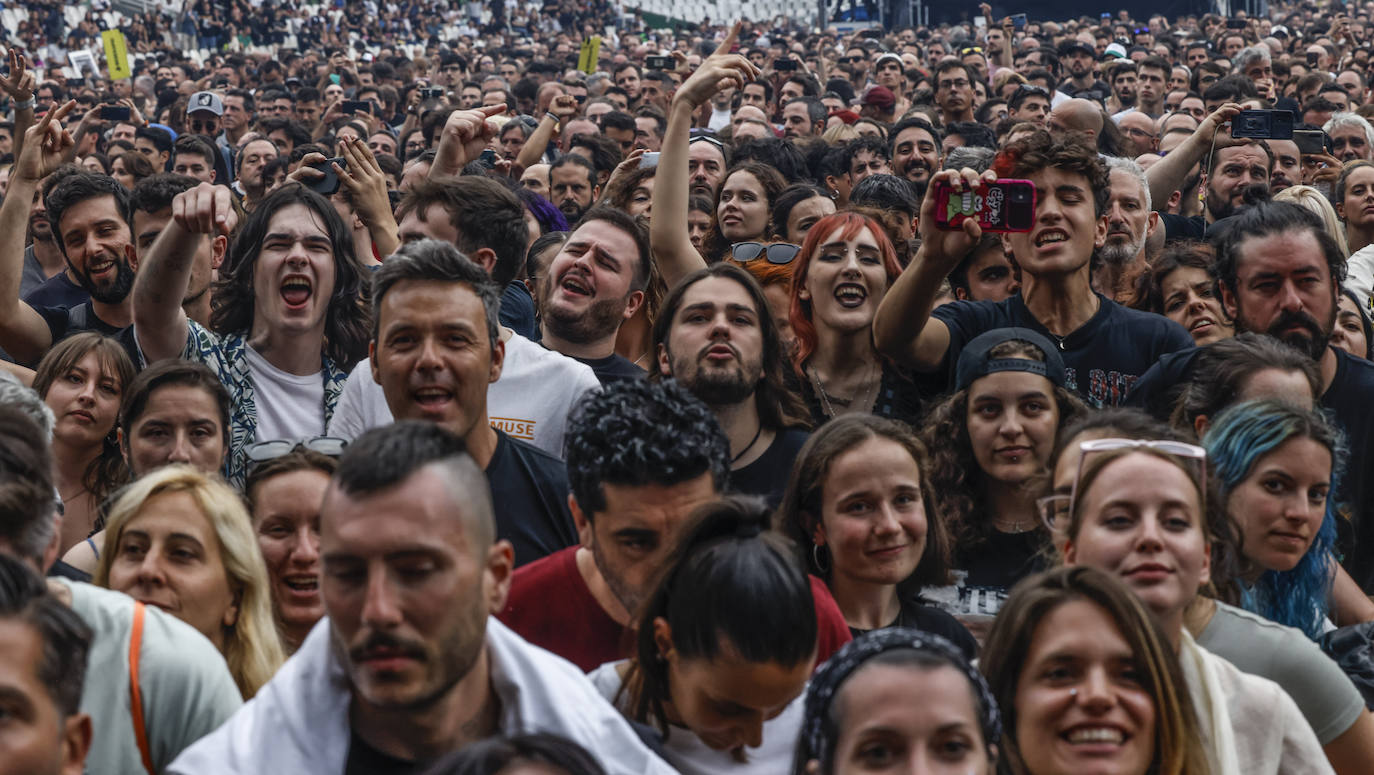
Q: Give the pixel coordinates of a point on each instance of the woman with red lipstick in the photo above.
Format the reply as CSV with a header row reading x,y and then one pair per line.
x,y
858,509
181,540
989,443
82,380
1129,500
1087,683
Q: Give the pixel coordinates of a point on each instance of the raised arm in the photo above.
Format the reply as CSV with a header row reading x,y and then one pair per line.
x,y
23,332
198,214
561,111
1167,174
367,184
465,135
19,86
903,328
672,248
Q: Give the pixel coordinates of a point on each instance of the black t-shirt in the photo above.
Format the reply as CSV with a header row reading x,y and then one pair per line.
x,y
767,476
363,759
1102,358
517,310
529,492
613,367
899,396
1097,90
916,615
1183,226
57,291
1348,399
63,323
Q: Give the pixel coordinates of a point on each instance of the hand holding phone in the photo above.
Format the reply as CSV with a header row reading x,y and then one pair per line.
x,y
356,106
1018,21
114,112
1004,205
328,184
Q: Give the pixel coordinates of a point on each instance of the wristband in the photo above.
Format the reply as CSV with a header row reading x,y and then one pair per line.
x,y
556,120
26,104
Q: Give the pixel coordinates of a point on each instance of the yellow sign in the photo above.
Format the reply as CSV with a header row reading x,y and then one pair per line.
x,y
591,54
116,54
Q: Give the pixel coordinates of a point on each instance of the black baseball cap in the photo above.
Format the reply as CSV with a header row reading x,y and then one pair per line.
x,y
975,360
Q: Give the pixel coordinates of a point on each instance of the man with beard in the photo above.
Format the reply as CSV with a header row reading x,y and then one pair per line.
x,y
594,284
641,457
48,280
90,218
572,180
1078,57
715,335
1234,170
409,663
915,150
1130,222
1287,165
954,92
706,163
1124,83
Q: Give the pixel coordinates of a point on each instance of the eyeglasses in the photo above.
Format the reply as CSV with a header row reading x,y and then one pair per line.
x,y
264,451
1141,30
1054,508
777,253
850,60
197,126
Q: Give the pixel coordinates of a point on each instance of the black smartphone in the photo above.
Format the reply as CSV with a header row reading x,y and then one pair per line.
x,y
1263,124
1018,21
1311,141
1312,59
1004,205
1235,24
488,158
328,184
654,62
431,94
357,106
785,65
114,112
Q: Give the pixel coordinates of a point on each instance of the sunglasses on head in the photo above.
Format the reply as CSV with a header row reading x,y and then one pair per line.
x,y
1055,510
263,451
970,50
776,253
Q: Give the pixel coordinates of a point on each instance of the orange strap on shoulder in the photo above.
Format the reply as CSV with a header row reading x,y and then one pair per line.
x,y
135,693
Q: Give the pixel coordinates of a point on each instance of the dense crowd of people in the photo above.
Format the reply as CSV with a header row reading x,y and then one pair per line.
x,y
382,392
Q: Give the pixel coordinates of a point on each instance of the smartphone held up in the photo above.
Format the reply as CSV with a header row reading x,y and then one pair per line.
x,y
1004,205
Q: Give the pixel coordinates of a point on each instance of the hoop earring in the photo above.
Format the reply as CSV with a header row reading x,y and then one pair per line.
x,y
816,556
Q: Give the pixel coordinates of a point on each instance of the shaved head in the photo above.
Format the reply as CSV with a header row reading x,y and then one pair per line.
x,y
1076,115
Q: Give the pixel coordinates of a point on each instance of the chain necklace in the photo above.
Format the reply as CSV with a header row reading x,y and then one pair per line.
x,y
861,402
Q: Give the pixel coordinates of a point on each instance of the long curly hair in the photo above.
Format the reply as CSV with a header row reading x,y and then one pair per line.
x,y
108,471
961,493
714,244
347,327
1242,435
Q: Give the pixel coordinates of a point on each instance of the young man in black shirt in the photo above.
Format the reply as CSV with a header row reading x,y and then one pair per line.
x,y
1105,346
715,335
434,351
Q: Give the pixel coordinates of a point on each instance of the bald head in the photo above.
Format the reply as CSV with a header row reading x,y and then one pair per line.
x,y
1076,115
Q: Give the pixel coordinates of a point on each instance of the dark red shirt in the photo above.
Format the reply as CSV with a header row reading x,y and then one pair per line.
x,y
550,606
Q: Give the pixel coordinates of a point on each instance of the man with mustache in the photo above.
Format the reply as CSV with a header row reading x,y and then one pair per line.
x,y
593,285
48,280
90,217
915,149
1235,169
1130,222
409,664
715,335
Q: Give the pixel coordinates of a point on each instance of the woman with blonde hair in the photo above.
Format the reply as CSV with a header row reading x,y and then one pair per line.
x,y
1313,200
182,541
840,134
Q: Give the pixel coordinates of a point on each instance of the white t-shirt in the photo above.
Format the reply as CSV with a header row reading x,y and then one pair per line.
x,y
685,751
530,402
290,406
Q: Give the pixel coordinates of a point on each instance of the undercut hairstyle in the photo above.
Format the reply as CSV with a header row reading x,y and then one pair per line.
x,y
156,192
384,457
1221,372
346,322
731,586
1177,745
65,638
483,212
1266,218
634,433
28,495
173,372
78,186
431,260
1039,151
778,406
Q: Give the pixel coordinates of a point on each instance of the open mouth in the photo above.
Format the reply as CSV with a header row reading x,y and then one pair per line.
x,y
302,584
575,284
851,295
1202,324
432,399
100,267
1094,736
1050,236
296,291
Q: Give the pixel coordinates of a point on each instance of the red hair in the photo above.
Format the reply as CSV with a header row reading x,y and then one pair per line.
x,y
842,225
